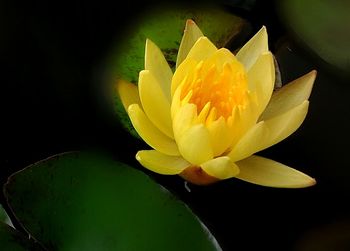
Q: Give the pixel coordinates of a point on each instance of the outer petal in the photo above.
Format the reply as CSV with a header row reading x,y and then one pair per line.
x,y
270,173
194,145
289,96
261,79
128,93
250,52
149,133
155,62
221,168
202,49
191,35
269,132
161,163
154,103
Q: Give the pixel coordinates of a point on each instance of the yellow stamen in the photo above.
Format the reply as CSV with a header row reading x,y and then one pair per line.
x,y
222,87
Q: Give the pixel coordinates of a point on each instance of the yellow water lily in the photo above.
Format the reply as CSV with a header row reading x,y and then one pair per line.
x,y
205,121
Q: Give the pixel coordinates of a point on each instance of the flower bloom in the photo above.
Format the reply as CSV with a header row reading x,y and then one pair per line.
x,y
205,121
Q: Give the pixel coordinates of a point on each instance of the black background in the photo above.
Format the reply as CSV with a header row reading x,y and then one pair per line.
x,y
52,55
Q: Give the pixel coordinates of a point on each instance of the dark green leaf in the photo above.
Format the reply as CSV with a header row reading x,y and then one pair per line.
x,y
12,240
84,201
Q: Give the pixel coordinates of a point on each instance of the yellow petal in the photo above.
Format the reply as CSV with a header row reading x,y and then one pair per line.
x,y
202,116
250,52
176,102
222,56
194,145
289,96
128,93
191,35
161,163
183,119
242,121
182,72
269,132
202,49
151,134
156,63
261,79
220,135
154,103
266,172
221,168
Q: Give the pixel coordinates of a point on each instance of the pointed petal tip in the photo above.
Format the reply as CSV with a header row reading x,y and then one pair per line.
x,y
148,41
312,182
190,22
307,182
202,38
308,79
149,47
262,33
142,73
202,49
304,181
313,74
128,93
252,49
148,44
190,36
132,108
137,156
263,30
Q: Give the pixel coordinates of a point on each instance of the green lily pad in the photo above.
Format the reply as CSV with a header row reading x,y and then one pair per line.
x,y
12,240
323,26
165,27
84,201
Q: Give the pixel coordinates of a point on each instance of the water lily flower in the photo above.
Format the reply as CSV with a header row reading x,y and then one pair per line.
x,y
206,121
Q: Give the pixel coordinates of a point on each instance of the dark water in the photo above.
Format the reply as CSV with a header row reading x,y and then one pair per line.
x,y
51,56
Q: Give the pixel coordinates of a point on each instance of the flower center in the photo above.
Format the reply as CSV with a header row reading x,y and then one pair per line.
x,y
222,87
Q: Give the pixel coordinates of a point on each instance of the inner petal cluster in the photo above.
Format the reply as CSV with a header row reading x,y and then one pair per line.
x,y
216,88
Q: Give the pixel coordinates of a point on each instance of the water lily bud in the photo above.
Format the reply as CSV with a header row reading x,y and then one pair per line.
x,y
206,120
